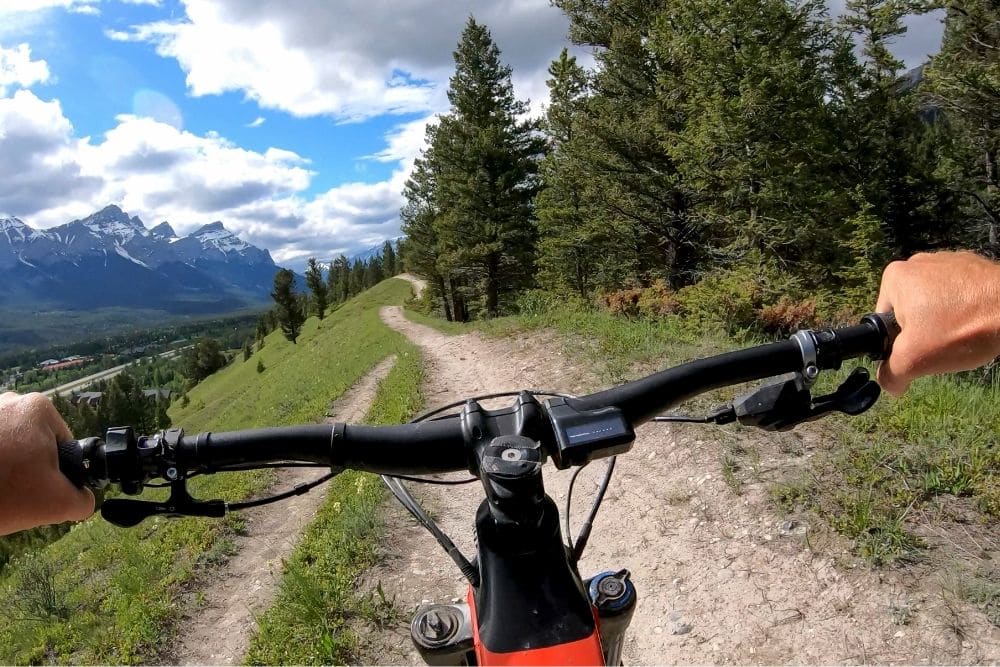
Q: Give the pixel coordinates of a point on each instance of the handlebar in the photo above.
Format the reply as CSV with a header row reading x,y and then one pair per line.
x,y
446,444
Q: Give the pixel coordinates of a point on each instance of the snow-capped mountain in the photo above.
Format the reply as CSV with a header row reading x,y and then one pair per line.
x,y
112,259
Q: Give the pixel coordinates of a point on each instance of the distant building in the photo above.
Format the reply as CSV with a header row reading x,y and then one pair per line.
x,y
91,398
64,364
48,362
157,394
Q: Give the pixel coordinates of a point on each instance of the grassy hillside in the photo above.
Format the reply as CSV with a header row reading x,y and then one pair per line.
x,y
102,594
310,621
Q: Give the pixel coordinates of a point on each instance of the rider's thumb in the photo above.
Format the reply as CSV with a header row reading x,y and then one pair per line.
x,y
896,373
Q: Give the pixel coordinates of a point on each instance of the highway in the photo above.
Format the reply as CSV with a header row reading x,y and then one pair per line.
x,y
103,375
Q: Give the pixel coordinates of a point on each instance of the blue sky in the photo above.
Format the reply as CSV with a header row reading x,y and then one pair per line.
x,y
295,122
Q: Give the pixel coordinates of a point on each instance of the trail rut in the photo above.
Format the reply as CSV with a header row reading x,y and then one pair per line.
x,y
217,631
721,577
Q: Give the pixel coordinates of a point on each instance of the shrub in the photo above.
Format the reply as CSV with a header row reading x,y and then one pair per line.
x,y
787,316
260,365
731,297
622,302
34,594
657,300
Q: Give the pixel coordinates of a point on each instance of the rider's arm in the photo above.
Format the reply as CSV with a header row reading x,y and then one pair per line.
x,y
33,492
948,308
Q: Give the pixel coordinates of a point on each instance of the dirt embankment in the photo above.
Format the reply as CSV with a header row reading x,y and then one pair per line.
x,y
721,577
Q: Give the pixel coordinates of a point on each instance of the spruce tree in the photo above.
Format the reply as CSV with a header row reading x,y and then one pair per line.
x,y
318,287
572,239
632,183
882,135
287,308
749,79
964,80
486,175
422,250
389,259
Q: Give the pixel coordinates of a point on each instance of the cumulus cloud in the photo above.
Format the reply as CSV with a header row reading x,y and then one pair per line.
x,y
159,172
18,69
40,165
404,142
352,59
26,6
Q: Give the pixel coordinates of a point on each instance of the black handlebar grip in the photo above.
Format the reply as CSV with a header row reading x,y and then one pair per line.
x,y
888,329
71,462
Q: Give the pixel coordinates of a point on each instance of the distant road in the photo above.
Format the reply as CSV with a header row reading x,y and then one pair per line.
x,y
104,375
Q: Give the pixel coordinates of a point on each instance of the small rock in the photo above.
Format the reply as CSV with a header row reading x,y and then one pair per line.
x,y
677,581
899,634
725,575
791,527
654,565
651,456
768,538
680,628
658,630
966,644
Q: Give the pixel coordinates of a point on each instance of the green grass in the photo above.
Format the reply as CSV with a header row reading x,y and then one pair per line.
x,y
941,439
310,622
117,592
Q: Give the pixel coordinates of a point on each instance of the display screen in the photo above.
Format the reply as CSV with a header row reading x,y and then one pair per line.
x,y
599,429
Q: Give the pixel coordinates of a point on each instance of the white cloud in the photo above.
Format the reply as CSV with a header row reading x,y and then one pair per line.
x,y
18,69
151,3
159,172
257,122
25,6
40,165
89,10
352,59
404,142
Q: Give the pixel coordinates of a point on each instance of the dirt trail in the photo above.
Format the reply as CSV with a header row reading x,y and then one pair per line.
x,y
721,578
217,631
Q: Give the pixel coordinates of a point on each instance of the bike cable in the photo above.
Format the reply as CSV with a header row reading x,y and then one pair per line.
x,y
581,540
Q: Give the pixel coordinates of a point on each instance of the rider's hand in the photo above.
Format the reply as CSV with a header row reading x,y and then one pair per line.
x,y
948,308
33,491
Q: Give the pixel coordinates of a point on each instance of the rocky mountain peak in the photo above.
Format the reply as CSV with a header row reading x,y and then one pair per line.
x,y
163,231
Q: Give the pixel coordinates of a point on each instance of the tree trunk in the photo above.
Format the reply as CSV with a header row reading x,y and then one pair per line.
x,y
991,191
444,298
458,302
492,285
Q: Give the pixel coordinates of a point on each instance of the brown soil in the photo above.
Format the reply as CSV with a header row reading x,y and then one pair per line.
x,y
721,577
220,623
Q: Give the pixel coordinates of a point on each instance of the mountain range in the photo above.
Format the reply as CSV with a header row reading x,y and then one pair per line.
x,y
110,259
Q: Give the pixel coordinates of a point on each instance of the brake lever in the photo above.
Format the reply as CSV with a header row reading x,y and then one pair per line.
x,y
781,406
126,513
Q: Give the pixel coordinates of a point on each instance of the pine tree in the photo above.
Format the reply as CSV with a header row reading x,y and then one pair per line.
x,y
486,163
374,273
389,259
247,350
632,183
318,287
422,249
964,80
749,79
356,279
288,310
337,283
882,133
572,241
